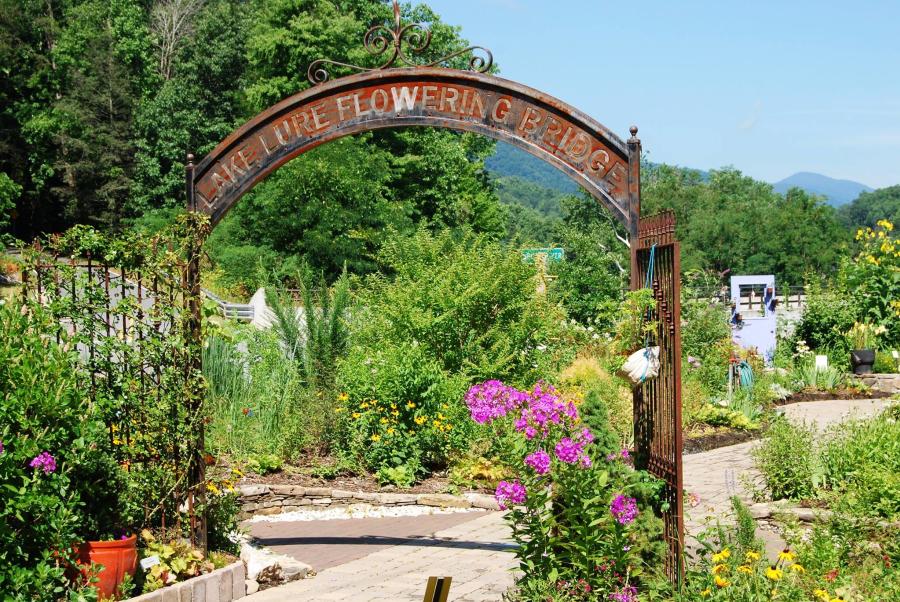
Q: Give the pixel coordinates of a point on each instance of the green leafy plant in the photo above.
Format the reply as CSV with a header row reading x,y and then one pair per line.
x,y
56,483
809,377
178,561
264,464
401,476
316,336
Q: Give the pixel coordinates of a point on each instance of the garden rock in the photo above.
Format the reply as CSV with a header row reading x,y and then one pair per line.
x,y
267,569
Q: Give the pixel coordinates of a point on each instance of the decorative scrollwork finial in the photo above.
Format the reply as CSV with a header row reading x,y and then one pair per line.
x,y
398,43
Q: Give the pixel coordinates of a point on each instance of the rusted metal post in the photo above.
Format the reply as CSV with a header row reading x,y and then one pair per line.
x,y
193,367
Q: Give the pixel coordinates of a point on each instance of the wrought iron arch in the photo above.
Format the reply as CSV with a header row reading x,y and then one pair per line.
x,y
548,128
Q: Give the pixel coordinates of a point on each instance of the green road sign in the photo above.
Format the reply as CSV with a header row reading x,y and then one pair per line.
x,y
554,254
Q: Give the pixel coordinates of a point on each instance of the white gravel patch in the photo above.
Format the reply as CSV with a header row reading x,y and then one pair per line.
x,y
357,511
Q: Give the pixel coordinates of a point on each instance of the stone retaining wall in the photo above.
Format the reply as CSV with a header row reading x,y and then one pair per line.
x,y
222,585
889,383
276,499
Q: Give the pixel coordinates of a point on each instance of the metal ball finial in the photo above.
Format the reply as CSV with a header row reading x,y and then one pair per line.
x,y
634,130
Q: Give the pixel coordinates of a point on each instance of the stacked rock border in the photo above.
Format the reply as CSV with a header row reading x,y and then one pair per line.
x,y
268,500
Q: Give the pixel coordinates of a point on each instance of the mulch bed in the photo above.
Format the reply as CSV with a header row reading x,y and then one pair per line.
x,y
300,475
848,394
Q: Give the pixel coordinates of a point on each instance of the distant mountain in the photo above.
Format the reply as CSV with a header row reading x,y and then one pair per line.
x,y
508,160
838,192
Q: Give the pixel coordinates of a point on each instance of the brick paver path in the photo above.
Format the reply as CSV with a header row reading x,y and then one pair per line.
x,y
476,552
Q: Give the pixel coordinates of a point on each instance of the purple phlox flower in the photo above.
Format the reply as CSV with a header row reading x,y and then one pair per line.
x,y
612,457
693,361
568,450
587,436
530,432
509,494
627,593
1,447
492,399
539,461
624,509
625,455
45,462
585,461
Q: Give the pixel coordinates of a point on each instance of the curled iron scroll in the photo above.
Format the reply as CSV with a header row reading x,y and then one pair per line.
x,y
399,43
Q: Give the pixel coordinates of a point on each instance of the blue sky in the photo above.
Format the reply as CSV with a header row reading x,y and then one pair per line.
x,y
770,87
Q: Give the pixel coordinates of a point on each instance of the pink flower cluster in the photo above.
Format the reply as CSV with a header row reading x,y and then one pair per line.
x,y
543,409
627,593
509,494
45,462
491,400
539,461
624,509
571,449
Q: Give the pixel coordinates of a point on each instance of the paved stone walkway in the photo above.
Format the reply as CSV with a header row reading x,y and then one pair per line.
x,y
477,553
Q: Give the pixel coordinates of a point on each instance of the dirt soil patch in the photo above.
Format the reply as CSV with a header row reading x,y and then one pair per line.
x,y
715,437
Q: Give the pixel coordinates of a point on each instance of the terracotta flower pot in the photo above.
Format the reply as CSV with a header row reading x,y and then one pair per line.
x,y
118,557
862,360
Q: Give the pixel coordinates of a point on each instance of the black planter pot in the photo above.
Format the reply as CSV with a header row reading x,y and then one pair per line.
x,y
862,360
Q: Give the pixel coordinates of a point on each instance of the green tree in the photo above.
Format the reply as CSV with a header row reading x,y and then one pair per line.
x,y
869,207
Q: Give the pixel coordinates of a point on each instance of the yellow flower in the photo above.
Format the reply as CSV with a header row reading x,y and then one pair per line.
x,y
383,421
237,472
721,582
212,488
720,556
410,405
343,397
420,420
719,568
744,568
376,438
395,413
821,594
774,573
797,568
752,556
363,405
356,415
441,416
390,431
117,441
885,224
705,592
436,423
338,410
786,555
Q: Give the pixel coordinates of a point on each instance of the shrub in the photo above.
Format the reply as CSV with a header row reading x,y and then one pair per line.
x,y
58,488
606,401
828,314
399,408
786,458
861,463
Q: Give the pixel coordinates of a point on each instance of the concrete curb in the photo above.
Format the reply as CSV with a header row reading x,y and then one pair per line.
x,y
222,585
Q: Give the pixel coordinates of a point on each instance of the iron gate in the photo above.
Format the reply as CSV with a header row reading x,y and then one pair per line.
x,y
657,402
